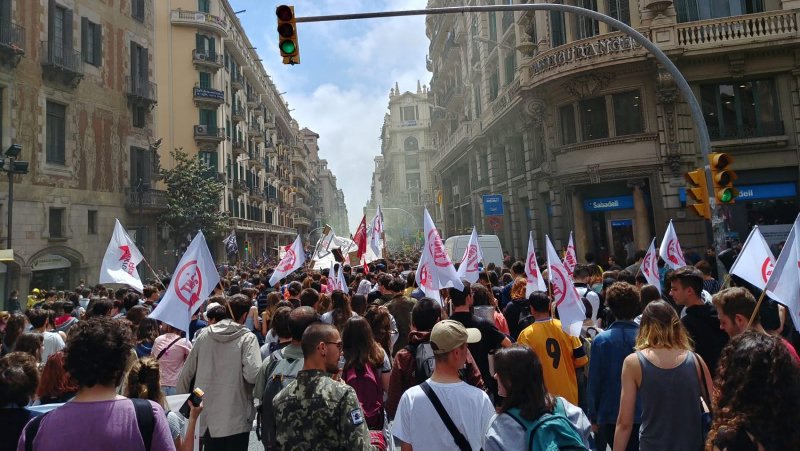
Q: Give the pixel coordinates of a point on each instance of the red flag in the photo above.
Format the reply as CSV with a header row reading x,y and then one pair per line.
x,y
360,238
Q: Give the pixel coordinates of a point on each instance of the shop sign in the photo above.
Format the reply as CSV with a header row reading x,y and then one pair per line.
x,y
493,205
589,50
756,192
50,261
608,203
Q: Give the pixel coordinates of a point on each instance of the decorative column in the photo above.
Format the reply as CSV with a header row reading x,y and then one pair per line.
x,y
641,218
579,233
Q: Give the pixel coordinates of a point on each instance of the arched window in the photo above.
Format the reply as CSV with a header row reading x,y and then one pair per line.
x,y
411,144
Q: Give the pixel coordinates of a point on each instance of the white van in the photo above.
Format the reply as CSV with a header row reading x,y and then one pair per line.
x,y
490,246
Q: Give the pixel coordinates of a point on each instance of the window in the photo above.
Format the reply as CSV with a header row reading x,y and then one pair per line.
x,y
476,94
412,181
691,10
558,32
56,222
412,162
204,6
567,118
209,159
141,169
92,42
139,116
205,45
92,222
408,113
586,26
620,10
56,133
627,113
411,144
137,10
742,109
140,64
594,120
205,80
510,66
494,85
492,28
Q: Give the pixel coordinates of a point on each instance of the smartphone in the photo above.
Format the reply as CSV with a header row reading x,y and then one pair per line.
x,y
196,397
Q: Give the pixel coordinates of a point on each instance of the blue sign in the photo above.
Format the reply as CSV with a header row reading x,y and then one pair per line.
x,y
493,204
621,223
756,192
608,203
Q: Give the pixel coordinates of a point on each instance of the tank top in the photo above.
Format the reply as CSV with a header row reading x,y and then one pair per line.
x,y
670,406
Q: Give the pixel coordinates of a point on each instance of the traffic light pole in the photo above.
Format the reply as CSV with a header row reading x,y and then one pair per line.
x,y
704,141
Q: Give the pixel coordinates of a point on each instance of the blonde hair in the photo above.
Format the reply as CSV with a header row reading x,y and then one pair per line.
x,y
518,289
144,381
661,328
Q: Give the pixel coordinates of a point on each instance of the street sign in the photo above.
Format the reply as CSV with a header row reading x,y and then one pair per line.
x,y
495,222
493,205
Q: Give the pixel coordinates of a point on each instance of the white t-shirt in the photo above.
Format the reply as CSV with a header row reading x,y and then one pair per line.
x,y
418,424
52,344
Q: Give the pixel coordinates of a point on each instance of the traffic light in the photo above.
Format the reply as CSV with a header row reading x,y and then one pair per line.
x,y
723,177
246,246
698,192
287,34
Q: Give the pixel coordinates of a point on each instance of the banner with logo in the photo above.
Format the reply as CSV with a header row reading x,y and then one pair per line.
x,y
784,282
755,262
535,281
192,282
435,270
565,297
649,266
570,259
293,259
376,241
670,250
119,263
468,268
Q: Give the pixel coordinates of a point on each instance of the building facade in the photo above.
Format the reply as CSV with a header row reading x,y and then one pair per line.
x,y
332,209
579,129
77,96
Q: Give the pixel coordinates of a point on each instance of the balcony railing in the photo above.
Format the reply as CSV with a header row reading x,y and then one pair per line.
x,y
253,100
455,92
204,132
759,130
208,95
141,90
201,20
254,128
148,199
207,59
237,113
255,226
238,147
12,39
237,81
60,58
747,28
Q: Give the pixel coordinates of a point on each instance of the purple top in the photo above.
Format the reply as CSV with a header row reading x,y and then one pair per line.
x,y
78,426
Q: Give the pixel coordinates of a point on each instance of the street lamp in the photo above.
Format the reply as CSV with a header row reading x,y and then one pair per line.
x,y
14,167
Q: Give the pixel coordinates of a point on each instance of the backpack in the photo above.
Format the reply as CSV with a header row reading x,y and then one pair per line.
x,y
424,361
551,432
280,372
369,392
145,421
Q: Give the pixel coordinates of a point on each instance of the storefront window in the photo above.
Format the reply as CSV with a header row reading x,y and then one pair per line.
x,y
742,109
594,120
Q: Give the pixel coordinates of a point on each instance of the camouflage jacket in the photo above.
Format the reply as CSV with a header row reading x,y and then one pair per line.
x,y
315,412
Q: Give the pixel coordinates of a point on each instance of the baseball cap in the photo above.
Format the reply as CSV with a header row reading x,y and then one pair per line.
x,y
448,335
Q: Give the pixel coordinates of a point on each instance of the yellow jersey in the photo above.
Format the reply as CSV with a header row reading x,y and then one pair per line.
x,y
560,355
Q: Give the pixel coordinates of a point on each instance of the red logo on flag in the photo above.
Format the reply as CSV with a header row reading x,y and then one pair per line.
x,y
672,251
472,258
126,259
437,249
425,276
646,264
189,283
533,268
766,269
288,260
560,285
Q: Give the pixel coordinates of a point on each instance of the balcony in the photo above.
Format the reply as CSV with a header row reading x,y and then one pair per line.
x,y
60,62
258,112
254,128
301,221
238,147
237,114
207,60
208,134
455,93
208,96
298,160
269,122
237,81
301,190
271,200
147,200
239,187
453,143
141,91
200,20
256,194
12,42
253,100
746,29
255,226
255,161
302,208
759,130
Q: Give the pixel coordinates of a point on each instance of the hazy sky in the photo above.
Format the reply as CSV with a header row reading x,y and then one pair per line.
x,y
341,88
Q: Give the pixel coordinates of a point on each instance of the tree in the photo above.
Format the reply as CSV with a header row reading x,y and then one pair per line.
x,y
193,198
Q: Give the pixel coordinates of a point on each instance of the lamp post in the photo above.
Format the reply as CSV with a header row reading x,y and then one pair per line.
x,y
14,167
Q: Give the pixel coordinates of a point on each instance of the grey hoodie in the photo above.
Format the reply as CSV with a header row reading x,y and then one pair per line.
x,y
224,363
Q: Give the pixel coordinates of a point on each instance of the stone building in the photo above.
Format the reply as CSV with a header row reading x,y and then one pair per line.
x,y
332,209
76,92
578,128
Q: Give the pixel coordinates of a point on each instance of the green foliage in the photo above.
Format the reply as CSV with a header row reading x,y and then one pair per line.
x,y
194,196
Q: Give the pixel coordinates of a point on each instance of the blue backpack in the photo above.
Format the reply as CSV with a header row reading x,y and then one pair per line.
x,y
550,432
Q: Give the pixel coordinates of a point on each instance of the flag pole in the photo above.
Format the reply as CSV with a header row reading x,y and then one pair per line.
x,y
758,304
151,269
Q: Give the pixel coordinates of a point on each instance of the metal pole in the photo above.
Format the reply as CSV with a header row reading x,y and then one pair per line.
x,y
8,238
683,86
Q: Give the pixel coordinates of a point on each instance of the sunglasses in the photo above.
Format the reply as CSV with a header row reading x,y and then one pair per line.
x,y
338,344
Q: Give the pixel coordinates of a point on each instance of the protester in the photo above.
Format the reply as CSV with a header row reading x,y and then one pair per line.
x,y
758,391
562,354
528,408
56,386
666,376
367,368
710,284
266,316
144,383
482,297
314,412
341,310
359,304
425,409
224,362
15,326
42,324
66,320
400,307
171,351
19,376
146,335
384,329
580,276
280,330
518,308
96,356
517,272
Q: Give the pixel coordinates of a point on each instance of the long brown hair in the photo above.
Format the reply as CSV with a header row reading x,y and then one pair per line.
x,y
359,347
341,308
520,371
381,324
55,381
144,381
661,328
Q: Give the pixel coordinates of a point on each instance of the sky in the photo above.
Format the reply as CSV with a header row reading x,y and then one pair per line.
x,y
341,87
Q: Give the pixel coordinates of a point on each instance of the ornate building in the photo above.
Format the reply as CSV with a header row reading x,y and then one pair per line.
x,y
579,129
332,209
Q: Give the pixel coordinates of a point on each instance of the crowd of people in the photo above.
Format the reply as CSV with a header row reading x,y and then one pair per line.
x,y
691,364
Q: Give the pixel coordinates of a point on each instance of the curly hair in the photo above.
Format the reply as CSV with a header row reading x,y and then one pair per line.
x,y
19,376
518,289
759,393
97,351
379,320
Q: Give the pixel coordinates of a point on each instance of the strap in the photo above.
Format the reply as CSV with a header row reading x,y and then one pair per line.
x,y
702,381
144,420
461,441
160,354
30,431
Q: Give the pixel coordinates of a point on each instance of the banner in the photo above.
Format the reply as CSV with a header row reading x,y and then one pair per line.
x,y
670,250
649,266
435,270
565,297
755,262
360,237
535,281
570,259
119,263
376,243
231,246
784,282
192,282
468,268
293,259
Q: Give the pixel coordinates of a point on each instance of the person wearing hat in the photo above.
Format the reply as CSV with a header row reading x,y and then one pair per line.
x,y
426,409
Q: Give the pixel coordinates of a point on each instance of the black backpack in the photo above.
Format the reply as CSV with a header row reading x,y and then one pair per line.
x,y
145,421
424,361
280,372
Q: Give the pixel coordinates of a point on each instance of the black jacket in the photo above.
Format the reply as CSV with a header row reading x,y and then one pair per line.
x,y
702,323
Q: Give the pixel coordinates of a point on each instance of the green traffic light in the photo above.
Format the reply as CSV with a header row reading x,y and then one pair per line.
x,y
726,195
288,46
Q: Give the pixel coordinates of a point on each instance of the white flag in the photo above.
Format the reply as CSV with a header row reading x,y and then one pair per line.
x,y
535,281
670,250
570,259
784,282
649,266
376,243
435,270
468,269
294,258
119,263
340,280
192,282
565,297
756,262
336,279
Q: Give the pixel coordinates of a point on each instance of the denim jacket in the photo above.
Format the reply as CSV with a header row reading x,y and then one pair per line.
x,y
609,350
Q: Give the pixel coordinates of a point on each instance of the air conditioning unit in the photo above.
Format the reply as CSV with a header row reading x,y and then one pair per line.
x,y
201,56
201,130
